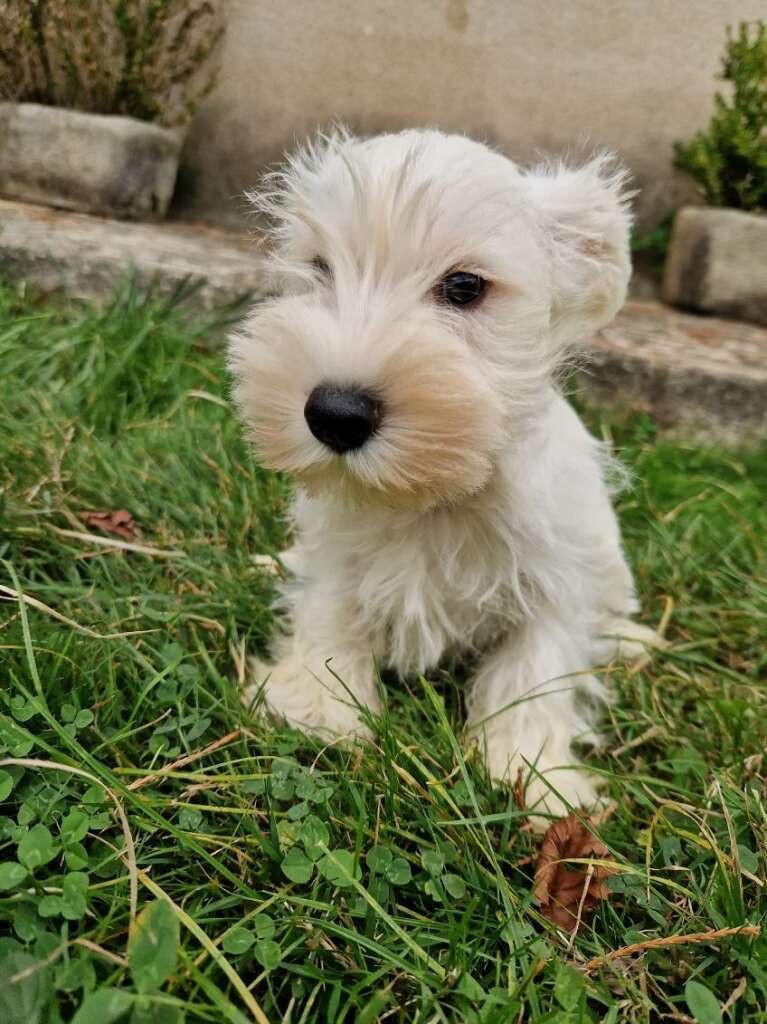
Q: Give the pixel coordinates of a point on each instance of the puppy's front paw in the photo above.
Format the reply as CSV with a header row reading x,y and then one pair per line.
x,y
551,786
556,792
292,693
632,640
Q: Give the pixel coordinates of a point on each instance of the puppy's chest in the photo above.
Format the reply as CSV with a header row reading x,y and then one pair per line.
x,y
423,597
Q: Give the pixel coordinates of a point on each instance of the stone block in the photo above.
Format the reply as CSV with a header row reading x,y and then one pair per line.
x,y
94,163
717,263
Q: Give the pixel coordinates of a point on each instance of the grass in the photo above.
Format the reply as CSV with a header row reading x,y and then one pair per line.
x,y
311,883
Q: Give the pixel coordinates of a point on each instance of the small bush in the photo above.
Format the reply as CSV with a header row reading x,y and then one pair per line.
x,y
729,159
150,59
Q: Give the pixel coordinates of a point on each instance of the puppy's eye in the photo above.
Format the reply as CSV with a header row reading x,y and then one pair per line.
x,y
461,288
321,266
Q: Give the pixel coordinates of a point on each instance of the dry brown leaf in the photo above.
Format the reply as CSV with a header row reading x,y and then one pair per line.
x,y
518,789
566,892
118,521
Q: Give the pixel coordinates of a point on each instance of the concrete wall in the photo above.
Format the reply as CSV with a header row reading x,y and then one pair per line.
x,y
532,76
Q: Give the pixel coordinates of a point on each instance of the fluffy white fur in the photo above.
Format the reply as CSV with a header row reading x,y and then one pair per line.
x,y
478,518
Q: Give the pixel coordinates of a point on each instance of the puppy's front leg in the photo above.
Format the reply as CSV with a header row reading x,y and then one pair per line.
x,y
323,674
525,714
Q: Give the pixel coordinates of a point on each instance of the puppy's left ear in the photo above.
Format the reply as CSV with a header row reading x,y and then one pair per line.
x,y
585,220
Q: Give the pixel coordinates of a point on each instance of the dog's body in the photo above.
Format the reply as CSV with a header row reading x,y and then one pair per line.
x,y
451,501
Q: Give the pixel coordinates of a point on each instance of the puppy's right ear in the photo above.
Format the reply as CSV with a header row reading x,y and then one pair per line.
x,y
286,203
585,220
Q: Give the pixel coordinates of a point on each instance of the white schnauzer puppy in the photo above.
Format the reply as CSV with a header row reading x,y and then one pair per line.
x,y
449,500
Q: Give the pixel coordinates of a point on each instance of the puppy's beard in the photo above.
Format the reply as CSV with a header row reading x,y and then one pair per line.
x,y
442,422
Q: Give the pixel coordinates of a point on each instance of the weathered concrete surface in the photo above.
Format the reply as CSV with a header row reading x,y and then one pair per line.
x,y
533,78
87,256
700,373
717,263
697,373
115,166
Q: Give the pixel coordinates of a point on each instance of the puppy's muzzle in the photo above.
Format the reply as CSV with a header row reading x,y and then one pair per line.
x,y
343,418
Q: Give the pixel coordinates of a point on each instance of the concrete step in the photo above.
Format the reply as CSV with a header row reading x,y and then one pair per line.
x,y
702,374
87,256
699,374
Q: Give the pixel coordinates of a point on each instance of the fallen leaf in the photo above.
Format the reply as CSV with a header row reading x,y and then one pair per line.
x,y
118,521
561,889
518,789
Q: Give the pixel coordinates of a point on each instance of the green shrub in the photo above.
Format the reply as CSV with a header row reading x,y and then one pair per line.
x,y
150,59
729,159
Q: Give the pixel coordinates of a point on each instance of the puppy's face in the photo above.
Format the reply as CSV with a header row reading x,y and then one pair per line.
x,y
427,291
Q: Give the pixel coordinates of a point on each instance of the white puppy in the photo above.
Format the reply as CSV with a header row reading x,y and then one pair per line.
x,y
449,498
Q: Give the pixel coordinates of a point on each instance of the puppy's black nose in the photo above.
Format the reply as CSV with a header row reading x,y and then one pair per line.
x,y
343,418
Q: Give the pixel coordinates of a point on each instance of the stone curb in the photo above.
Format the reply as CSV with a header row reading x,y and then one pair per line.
x,y
702,375
705,375
87,256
